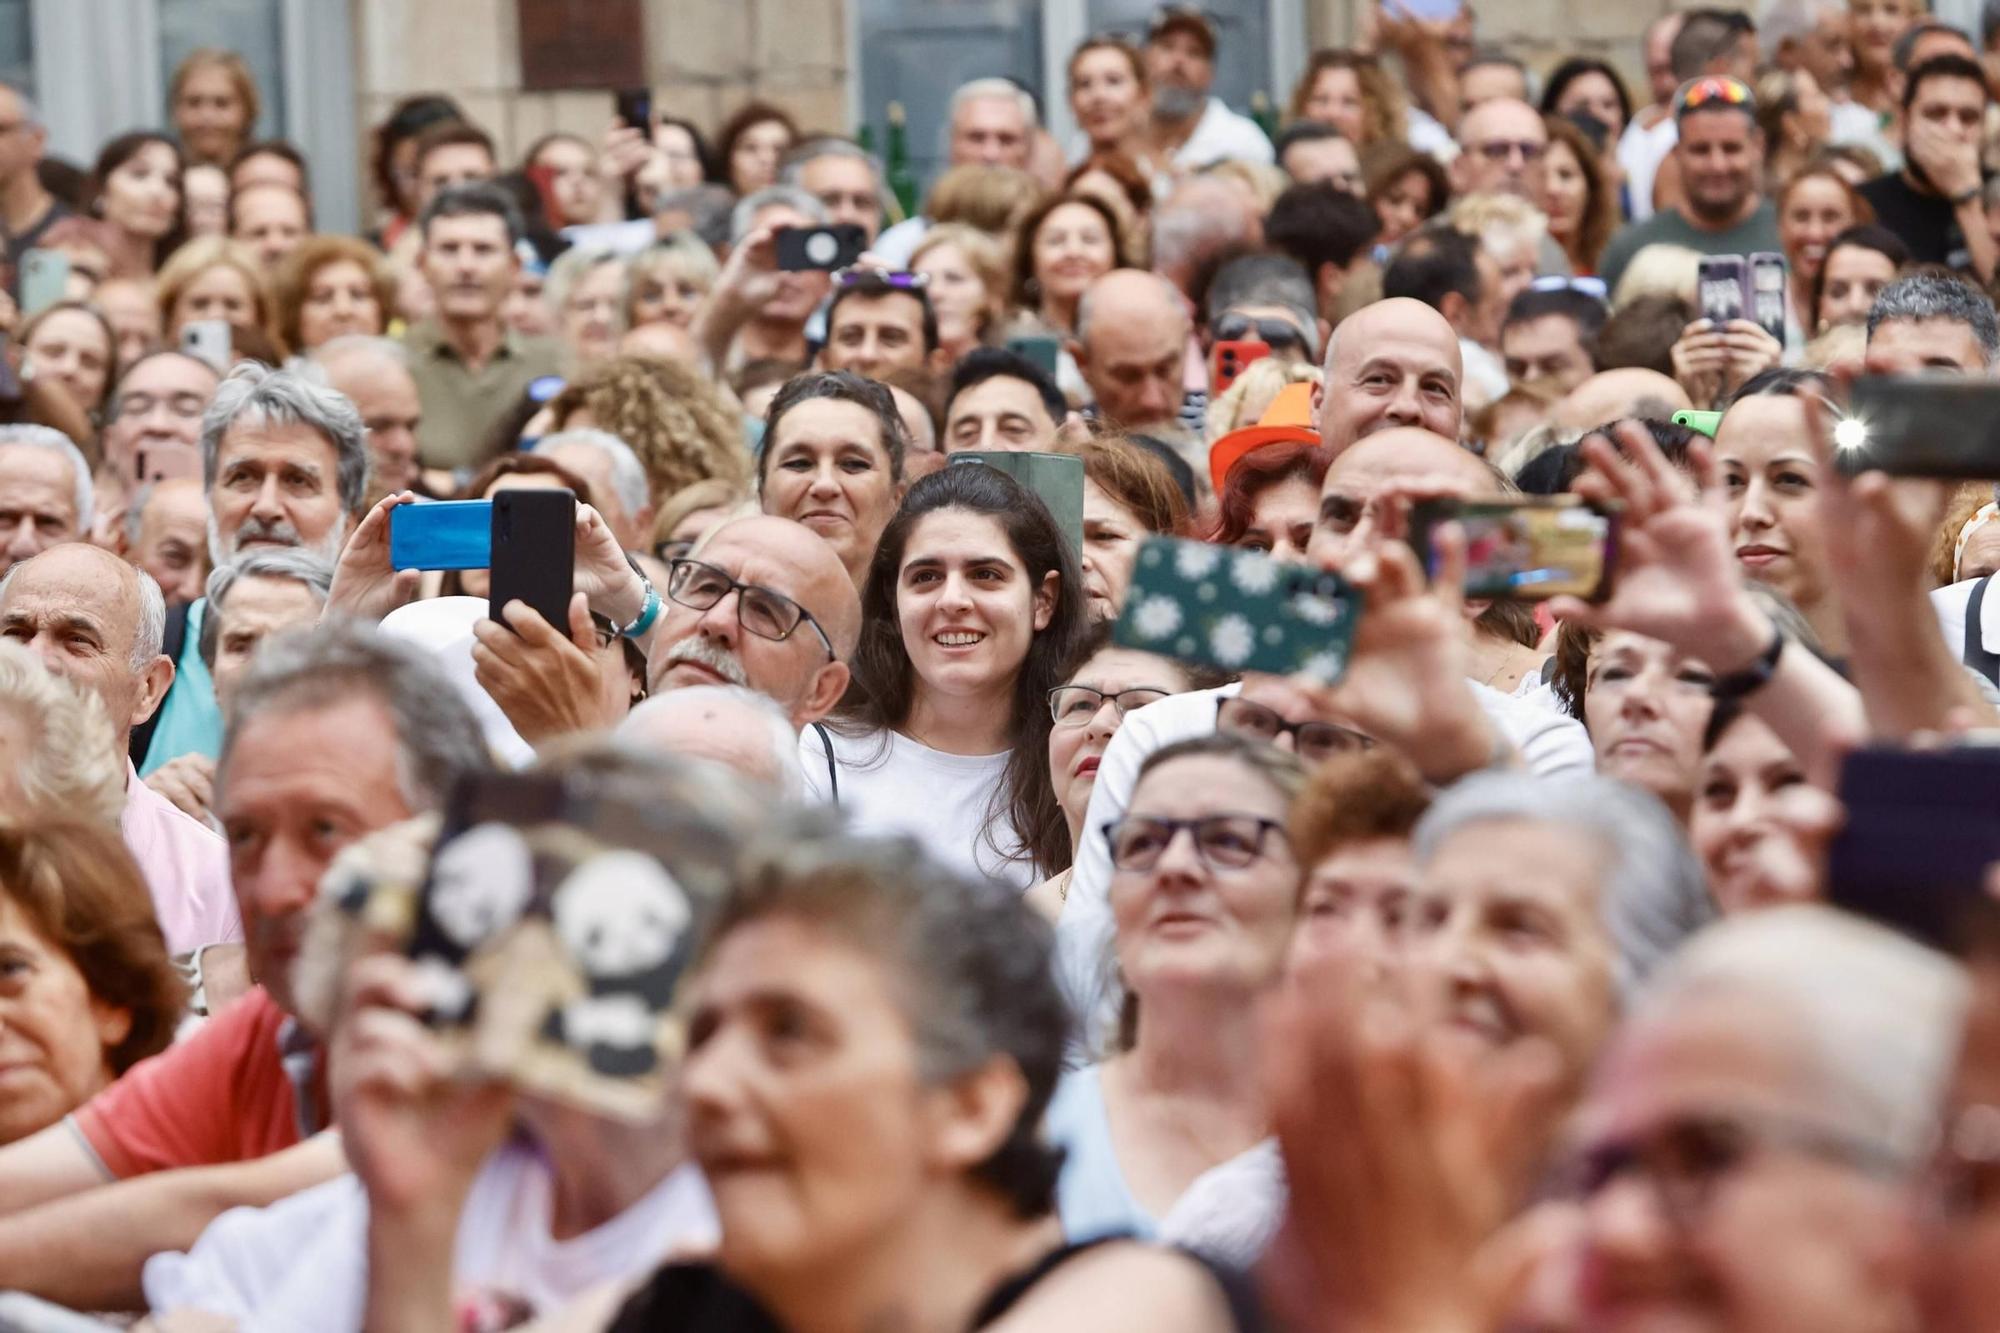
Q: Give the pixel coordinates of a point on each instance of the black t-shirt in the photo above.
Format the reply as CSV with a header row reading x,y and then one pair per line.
x,y
1925,222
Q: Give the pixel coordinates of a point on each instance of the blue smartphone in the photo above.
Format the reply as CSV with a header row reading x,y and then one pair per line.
x,y
441,534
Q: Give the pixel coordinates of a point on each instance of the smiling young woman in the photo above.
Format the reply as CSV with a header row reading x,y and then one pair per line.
x,y
973,604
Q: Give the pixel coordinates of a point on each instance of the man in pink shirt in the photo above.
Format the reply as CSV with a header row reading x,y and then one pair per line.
x,y
98,621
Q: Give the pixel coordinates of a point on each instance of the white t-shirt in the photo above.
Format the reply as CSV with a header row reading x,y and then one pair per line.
x,y
945,801
1640,152
1222,135
1547,740
301,1265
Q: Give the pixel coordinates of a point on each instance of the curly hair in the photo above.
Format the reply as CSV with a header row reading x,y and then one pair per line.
x,y
1385,118
314,253
670,414
71,763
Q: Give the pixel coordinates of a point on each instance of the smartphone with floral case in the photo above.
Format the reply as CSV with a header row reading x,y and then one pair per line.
x,y
1237,611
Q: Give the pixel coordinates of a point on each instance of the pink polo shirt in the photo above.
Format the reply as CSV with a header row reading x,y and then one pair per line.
x,y
186,865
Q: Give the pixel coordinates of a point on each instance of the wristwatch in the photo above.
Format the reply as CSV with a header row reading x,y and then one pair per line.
x,y
1740,684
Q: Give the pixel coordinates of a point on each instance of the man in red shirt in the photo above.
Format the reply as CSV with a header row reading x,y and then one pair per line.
x,y
335,733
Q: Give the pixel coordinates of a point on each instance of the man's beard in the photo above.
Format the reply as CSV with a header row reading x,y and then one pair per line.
x,y
280,533
1717,213
1174,104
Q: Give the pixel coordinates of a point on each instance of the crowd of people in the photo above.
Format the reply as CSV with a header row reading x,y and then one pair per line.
x,y
1005,976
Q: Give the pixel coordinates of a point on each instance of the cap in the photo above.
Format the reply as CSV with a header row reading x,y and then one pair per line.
x,y
1288,420
1187,19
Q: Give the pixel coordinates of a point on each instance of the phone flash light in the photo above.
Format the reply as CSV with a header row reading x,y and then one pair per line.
x,y
1850,434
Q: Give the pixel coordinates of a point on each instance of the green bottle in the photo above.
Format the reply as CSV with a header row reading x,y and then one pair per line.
x,y
902,181
1264,114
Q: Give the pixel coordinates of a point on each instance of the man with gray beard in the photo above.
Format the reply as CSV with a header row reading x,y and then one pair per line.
x,y
285,463
1191,127
763,603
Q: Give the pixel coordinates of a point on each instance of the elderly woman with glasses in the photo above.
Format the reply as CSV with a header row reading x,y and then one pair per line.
x,y
1204,893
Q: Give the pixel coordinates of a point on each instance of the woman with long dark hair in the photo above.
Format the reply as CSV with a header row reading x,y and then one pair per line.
x,y
136,188
970,610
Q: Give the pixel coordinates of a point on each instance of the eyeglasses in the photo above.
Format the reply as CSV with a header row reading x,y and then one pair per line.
x,y
1314,741
767,614
896,281
1277,332
1964,1176
1714,88
607,633
669,551
1075,705
1223,842
1687,1161
1500,150
1556,282
186,406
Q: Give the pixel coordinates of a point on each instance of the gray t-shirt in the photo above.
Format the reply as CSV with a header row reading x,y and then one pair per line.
x,y
1759,231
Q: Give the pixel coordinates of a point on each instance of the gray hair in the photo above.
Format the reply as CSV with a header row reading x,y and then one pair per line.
x,y
47,437
308,669
744,216
1924,296
260,396
1875,1015
787,772
977,89
259,562
708,209
825,145
569,269
1277,280
1654,894
149,635
73,764
628,474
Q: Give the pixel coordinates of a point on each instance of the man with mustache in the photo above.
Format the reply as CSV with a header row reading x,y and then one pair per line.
x,y
470,368
706,639
285,461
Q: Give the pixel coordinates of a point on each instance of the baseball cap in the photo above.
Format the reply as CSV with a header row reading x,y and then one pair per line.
x,y
1288,420
1183,18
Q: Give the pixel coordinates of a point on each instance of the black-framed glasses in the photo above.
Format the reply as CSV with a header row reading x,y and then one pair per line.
x,y
1222,841
1689,1159
1075,705
1276,332
767,614
1312,741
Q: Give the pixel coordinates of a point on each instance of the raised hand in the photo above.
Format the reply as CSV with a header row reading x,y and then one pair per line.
x,y
365,585
547,684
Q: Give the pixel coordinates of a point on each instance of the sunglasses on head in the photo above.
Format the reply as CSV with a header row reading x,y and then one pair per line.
x,y
1276,332
881,278
1714,89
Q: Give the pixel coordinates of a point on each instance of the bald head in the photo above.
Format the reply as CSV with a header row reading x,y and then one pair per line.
x,y
713,646
1392,364
1355,482
1503,142
660,341
737,728
94,620
1131,343
1615,394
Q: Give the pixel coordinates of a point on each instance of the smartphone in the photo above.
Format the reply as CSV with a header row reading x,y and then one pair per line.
x,y
209,340
44,280
1924,425
1527,549
826,248
1720,285
172,463
635,108
1056,479
1919,837
1436,11
1236,610
1702,423
441,534
543,178
1230,358
533,553
1039,350
1767,292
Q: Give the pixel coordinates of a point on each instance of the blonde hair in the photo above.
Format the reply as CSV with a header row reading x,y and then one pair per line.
x,y
570,268
231,64
988,199
1244,402
984,255
1659,270
197,257
1842,342
71,765
679,255
1495,220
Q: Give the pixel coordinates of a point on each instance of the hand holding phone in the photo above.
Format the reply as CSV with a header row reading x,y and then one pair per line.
x,y
1527,549
1927,425
1919,837
1237,610
828,248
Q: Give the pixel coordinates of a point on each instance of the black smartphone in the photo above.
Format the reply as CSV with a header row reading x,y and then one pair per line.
x,y
1924,425
1766,271
826,248
1918,839
635,108
1720,283
1038,350
1526,549
534,553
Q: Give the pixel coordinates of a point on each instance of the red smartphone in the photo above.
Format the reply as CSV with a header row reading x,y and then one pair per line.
x,y
543,178
1230,358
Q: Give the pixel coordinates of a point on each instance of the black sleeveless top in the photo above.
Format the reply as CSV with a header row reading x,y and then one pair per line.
x,y
697,1298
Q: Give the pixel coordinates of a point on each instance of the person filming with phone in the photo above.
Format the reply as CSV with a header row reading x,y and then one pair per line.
x,y
758,309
